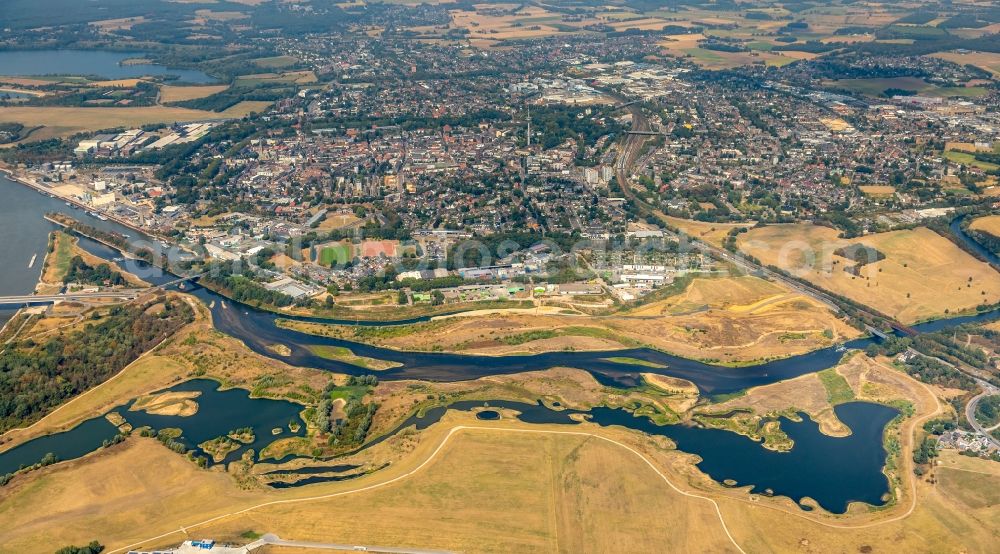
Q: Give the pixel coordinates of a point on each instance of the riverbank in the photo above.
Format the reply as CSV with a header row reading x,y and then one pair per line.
x,y
22,179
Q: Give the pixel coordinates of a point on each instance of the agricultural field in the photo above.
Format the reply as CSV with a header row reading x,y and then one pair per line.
x,y
485,27
923,275
878,191
171,93
66,121
276,62
988,61
290,77
686,46
966,158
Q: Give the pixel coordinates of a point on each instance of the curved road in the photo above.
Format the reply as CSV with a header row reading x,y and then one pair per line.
x,y
970,411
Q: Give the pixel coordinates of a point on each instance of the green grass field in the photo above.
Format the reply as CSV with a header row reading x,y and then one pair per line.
x,y
969,159
837,389
332,255
342,354
276,62
633,361
875,87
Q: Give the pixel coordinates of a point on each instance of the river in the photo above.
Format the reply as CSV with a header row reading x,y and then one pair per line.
x,y
102,63
973,244
24,235
857,459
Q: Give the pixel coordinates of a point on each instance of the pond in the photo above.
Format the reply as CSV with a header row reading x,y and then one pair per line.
x,y
222,411
833,471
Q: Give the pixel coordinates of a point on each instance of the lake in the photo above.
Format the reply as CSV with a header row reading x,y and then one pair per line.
x,y
33,63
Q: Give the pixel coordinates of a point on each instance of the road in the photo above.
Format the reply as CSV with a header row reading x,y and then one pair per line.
x,y
49,298
430,459
970,408
970,411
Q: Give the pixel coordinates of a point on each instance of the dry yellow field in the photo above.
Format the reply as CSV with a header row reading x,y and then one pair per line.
x,y
297,77
686,46
642,23
338,221
712,233
112,494
923,276
484,491
988,61
877,190
529,22
116,83
67,121
204,16
989,224
169,93
732,319
119,24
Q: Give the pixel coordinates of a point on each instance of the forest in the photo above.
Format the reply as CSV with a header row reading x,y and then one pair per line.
x,y
35,377
81,272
